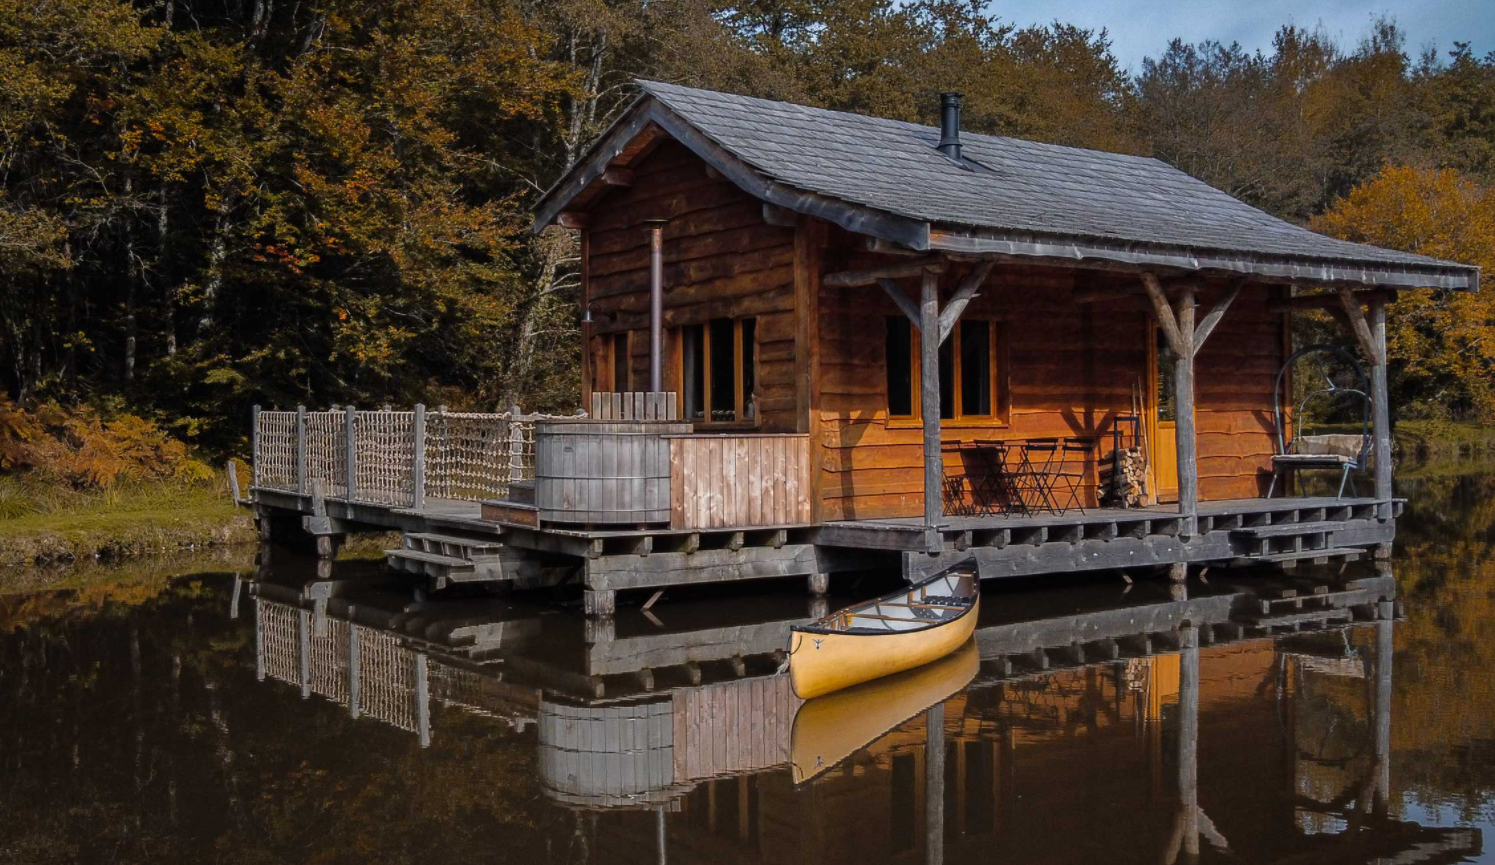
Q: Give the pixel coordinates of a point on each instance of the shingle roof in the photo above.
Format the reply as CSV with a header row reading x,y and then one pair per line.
x,y
1011,187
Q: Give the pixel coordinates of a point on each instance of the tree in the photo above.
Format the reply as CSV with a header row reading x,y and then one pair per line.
x,y
1441,344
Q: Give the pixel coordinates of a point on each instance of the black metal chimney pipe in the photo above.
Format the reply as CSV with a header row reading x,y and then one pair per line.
x,y
950,125
656,303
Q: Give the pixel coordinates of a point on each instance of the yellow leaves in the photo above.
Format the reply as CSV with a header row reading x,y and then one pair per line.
x,y
1442,343
77,447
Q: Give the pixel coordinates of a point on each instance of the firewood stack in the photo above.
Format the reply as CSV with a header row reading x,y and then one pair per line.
x,y
1128,478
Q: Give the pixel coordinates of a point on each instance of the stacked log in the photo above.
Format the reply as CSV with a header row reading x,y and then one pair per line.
x,y
1128,478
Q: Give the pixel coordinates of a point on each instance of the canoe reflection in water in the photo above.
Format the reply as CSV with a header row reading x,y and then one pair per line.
x,y
1171,714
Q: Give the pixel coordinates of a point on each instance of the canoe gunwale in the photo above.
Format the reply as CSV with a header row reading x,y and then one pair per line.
x,y
817,628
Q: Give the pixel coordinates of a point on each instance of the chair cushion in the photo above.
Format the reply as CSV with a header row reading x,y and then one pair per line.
x,y
1312,460
1339,444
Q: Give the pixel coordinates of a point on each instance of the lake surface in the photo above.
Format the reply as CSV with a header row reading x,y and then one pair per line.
x,y
260,707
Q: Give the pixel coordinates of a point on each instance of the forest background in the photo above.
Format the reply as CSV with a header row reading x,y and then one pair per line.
x,y
210,204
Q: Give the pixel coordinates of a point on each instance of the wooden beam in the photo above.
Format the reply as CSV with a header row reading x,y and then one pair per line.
x,y
1359,326
619,177
1380,408
1207,327
1184,432
849,278
1166,321
1325,301
887,247
929,396
1102,293
572,219
782,217
962,296
904,303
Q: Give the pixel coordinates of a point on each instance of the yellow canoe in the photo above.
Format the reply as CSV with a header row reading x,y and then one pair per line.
x,y
888,635
832,728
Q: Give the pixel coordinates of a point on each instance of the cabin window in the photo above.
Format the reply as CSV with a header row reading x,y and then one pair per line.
x,y
900,350
719,370
972,383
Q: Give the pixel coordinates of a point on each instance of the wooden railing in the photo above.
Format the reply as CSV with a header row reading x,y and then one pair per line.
x,y
397,458
739,481
635,405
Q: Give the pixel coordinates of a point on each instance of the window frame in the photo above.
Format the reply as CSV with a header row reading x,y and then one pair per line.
x,y
998,358
739,397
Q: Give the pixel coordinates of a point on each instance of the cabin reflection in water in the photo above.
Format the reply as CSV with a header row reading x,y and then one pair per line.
x,y
1247,724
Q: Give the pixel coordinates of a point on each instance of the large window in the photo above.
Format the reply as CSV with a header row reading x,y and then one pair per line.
x,y
719,370
972,384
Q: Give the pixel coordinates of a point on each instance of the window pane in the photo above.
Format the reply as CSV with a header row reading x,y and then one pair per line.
x,y
975,368
947,378
693,371
900,348
1167,363
723,377
749,368
620,362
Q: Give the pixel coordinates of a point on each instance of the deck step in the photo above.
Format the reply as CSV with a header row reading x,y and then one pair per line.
x,y
462,547
521,492
1281,530
418,561
1303,555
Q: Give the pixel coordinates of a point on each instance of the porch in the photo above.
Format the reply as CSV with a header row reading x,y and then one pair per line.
x,y
1282,531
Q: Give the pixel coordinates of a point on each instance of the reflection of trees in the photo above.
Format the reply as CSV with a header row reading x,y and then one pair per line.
x,y
146,738
1444,697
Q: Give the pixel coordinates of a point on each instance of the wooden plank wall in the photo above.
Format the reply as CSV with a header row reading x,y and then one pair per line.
x,y
739,481
721,260
732,727
1071,370
1233,378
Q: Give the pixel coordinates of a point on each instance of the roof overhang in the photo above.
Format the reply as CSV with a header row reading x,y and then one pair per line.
x,y
1104,254
648,116
648,111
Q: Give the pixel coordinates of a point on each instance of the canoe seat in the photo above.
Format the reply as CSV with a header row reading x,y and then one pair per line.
x,y
946,600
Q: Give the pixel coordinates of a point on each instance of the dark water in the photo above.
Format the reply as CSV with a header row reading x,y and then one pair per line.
x,y
148,716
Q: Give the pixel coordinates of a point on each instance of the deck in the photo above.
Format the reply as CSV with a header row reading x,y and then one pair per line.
x,y
1232,531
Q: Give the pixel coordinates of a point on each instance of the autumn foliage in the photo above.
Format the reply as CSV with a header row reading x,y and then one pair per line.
x,y
209,205
1441,343
77,448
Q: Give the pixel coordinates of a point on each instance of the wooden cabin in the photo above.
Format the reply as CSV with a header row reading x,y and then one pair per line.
x,y
761,285
805,251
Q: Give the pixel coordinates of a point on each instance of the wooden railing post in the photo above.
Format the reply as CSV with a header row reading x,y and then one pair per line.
x,y
418,459
351,435
254,446
516,445
301,450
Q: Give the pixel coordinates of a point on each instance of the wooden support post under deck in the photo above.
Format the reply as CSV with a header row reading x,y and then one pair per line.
x,y
1380,408
1381,708
929,403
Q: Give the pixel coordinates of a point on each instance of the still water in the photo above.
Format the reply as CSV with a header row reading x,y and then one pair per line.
x,y
253,709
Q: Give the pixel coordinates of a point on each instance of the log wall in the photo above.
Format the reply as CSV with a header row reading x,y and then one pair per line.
x,y
722,260
1070,370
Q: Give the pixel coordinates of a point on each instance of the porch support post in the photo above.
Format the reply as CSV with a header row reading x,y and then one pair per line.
x,y
929,404
1380,408
1177,325
1183,385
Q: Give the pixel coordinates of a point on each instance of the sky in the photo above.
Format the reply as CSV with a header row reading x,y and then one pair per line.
x,y
1142,28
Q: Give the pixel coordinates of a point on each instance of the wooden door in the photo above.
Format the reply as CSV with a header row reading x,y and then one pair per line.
x,y
1163,454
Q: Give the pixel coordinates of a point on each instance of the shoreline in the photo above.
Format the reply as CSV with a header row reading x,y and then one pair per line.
x,y
63,538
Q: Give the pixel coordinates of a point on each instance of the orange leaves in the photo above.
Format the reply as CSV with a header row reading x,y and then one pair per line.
x,y
77,447
1442,343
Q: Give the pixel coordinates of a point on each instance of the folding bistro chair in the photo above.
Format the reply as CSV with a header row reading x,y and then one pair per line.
x,y
959,496
1033,473
1067,478
997,487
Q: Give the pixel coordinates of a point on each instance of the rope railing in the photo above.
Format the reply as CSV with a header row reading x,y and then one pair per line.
x,y
394,458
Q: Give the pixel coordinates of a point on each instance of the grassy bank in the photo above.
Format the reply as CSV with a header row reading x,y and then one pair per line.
x,y
1431,440
52,524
